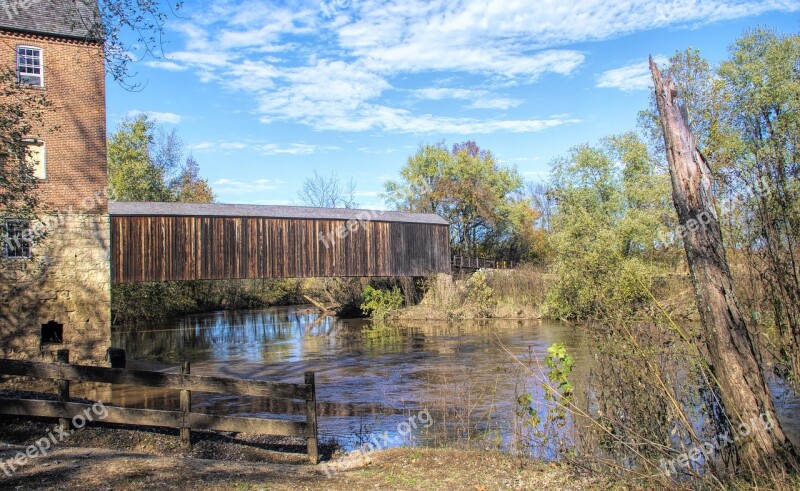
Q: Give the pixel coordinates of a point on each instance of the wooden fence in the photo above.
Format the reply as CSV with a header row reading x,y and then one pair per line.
x,y
184,420
463,262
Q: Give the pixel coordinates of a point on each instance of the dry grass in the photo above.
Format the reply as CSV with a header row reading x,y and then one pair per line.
x,y
516,294
403,469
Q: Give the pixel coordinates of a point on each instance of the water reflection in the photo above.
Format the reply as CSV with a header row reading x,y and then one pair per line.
x,y
369,378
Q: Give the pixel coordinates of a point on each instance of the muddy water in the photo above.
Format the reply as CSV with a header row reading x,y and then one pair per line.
x,y
370,379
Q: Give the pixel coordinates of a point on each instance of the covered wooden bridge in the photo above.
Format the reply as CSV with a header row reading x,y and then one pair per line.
x,y
181,241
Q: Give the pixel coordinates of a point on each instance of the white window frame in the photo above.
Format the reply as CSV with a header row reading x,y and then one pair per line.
x,y
41,65
23,243
34,141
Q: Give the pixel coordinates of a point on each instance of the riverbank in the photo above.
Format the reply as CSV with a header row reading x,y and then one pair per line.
x,y
110,457
498,294
80,468
522,293
102,457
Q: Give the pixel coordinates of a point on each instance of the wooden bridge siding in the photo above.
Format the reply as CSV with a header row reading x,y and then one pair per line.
x,y
164,248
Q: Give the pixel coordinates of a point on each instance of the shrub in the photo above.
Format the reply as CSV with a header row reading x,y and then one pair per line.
x,y
480,295
380,304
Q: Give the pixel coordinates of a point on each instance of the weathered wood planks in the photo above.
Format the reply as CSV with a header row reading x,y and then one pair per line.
x,y
184,419
173,248
197,383
154,418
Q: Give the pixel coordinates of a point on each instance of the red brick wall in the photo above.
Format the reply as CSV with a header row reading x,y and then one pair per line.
x,y
74,129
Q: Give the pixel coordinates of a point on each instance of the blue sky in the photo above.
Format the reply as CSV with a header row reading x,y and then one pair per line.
x,y
264,93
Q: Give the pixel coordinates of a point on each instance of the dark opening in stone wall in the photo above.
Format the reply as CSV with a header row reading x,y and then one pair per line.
x,y
52,333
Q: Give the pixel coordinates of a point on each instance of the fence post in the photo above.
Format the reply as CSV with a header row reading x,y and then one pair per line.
x,y
311,419
62,386
186,408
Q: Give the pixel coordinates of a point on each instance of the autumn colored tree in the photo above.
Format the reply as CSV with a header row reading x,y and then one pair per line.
x,y
471,190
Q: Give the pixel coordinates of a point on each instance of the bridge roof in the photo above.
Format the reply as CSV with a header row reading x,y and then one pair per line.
x,y
293,212
63,18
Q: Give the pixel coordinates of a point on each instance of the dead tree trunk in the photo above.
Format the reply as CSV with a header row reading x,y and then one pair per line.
x,y
734,362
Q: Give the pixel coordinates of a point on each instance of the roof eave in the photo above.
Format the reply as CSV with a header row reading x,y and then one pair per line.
x,y
52,35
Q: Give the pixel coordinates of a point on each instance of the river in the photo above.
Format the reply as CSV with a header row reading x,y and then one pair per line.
x,y
370,379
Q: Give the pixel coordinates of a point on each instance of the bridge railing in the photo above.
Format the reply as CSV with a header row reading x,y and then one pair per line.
x,y
465,262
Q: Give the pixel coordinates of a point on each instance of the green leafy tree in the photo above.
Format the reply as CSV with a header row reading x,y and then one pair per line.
x,y
419,188
144,165
21,111
612,203
761,79
745,115
132,173
381,304
467,187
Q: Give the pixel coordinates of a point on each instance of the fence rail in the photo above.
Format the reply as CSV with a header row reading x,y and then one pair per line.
x,y
464,262
185,420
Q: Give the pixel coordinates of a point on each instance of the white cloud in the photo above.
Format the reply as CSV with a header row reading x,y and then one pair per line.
x,y
293,149
481,99
502,103
157,116
630,77
376,151
436,94
231,186
202,146
336,65
256,146
509,27
202,58
166,65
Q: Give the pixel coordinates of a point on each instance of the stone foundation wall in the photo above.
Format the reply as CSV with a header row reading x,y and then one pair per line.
x,y
68,282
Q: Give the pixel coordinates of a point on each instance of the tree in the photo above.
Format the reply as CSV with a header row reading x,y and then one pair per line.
x,y
526,240
21,110
733,363
144,165
328,192
541,195
419,189
127,27
762,81
609,219
467,187
745,116
132,173
189,187
166,151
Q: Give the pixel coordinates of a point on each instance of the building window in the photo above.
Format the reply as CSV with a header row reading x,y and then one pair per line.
x,y
17,238
29,66
34,156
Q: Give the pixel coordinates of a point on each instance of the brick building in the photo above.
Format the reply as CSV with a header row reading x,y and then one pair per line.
x,y
55,291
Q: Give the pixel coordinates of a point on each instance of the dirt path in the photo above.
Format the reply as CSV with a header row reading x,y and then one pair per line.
x,y
74,468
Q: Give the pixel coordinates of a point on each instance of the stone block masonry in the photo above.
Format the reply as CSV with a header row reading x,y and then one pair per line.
x,y
67,284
